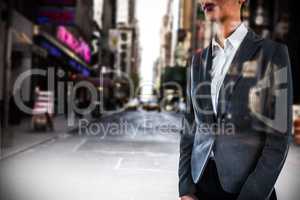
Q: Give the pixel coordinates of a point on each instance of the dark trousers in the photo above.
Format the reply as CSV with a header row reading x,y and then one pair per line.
x,y
209,187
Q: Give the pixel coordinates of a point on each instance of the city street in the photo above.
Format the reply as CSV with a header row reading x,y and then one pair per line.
x,y
141,164
93,92
126,167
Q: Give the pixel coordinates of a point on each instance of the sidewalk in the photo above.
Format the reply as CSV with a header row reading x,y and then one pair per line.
x,y
20,138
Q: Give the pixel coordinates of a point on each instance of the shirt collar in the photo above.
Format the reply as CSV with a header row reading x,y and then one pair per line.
x,y
235,39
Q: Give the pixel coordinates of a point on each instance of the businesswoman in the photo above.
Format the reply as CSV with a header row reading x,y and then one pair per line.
x,y
237,129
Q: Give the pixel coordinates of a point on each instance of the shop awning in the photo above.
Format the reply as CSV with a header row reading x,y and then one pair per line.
x,y
56,49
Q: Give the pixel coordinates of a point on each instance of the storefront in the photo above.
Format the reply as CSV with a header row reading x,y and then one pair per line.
x,y
66,57
19,50
73,55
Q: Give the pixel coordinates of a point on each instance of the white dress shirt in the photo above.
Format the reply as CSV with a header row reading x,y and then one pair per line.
x,y
222,59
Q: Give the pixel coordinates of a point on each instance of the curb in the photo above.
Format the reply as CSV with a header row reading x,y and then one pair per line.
x,y
22,150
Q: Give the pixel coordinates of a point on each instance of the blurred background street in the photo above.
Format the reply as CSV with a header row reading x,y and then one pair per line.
x,y
129,166
92,93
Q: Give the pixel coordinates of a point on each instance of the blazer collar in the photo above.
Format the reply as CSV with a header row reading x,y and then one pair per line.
x,y
246,51
234,40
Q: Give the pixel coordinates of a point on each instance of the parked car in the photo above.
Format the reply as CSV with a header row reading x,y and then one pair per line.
x,y
151,105
172,101
132,104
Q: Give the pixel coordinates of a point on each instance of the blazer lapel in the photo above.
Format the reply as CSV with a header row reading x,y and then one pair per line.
x,y
245,52
206,78
207,63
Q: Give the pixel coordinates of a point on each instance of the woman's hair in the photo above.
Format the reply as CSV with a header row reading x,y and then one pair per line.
x,y
243,7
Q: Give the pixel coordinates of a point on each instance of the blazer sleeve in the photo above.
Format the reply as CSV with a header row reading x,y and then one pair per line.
x,y
260,183
186,184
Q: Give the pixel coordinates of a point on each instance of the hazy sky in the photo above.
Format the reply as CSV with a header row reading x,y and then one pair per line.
x,y
149,15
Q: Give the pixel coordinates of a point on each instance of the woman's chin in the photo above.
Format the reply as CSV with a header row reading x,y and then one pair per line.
x,y
212,16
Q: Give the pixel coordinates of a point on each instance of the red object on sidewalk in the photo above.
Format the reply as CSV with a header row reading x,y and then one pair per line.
x,y
297,131
43,111
44,103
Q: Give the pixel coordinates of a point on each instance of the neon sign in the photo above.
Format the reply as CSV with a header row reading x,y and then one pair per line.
x,y
58,16
55,52
85,72
80,47
58,2
52,50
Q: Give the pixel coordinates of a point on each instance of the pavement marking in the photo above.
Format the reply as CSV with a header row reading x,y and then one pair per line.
x,y
147,170
25,149
29,151
148,153
64,136
82,142
118,163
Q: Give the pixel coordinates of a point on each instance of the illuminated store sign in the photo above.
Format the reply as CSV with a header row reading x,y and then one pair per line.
x,y
78,46
49,15
58,2
55,52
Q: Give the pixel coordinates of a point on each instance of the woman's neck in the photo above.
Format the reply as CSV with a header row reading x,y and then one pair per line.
x,y
225,29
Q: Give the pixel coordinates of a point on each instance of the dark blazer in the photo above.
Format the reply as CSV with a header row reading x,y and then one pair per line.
x,y
250,134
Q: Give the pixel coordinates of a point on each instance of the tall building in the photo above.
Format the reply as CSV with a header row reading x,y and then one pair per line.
x,y
84,17
166,37
108,23
127,39
3,23
98,12
35,38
